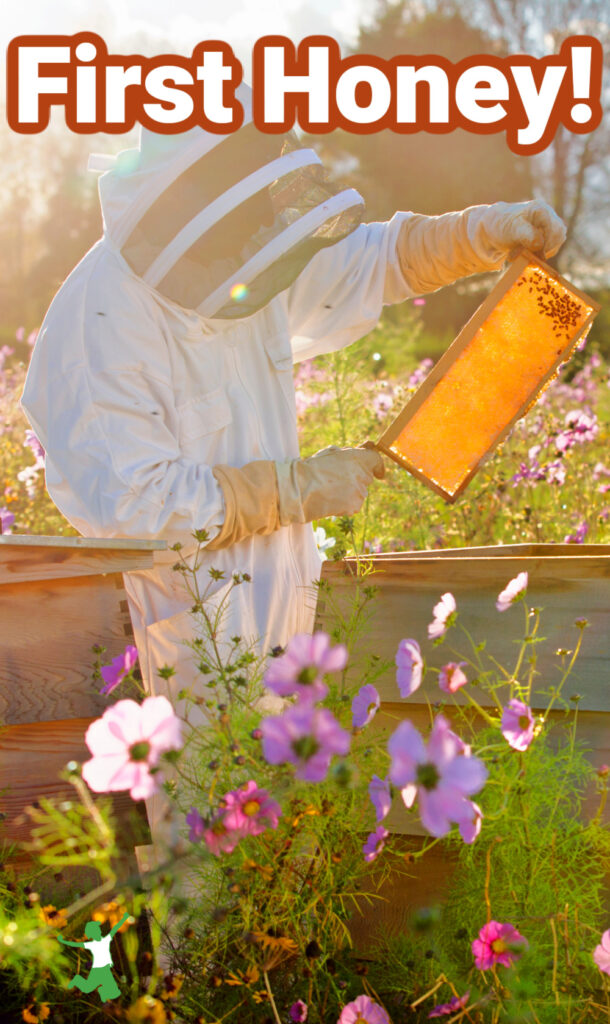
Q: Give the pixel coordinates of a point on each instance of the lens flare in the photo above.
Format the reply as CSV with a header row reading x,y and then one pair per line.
x,y
239,292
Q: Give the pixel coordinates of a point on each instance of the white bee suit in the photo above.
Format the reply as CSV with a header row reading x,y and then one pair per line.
x,y
135,397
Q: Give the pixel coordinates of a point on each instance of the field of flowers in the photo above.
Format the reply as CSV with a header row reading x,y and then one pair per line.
x,y
278,837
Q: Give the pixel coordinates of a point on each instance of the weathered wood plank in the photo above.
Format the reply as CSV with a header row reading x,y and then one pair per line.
x,y
88,543
566,587
20,564
47,631
31,759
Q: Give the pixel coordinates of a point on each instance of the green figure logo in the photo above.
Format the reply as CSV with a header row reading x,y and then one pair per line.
x,y
100,975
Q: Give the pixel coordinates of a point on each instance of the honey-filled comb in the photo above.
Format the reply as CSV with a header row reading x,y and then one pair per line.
x,y
489,376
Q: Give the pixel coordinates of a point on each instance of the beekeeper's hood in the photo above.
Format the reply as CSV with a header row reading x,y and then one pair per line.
x,y
222,223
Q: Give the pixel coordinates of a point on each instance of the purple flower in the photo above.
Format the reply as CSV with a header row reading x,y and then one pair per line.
x,y
379,792
556,472
517,724
31,441
301,669
409,667
306,737
363,1011
469,828
512,592
6,520
119,667
451,677
455,1003
422,371
444,613
298,1011
196,823
441,774
579,535
365,706
601,953
375,843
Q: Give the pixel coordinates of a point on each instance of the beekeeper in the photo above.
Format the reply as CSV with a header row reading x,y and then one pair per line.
x,y
161,382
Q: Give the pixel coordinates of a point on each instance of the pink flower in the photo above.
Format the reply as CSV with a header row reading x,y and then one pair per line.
x,y
306,737
579,535
375,843
444,613
196,823
497,944
250,810
517,724
451,677
409,667
469,828
601,953
31,441
298,1011
441,774
512,592
365,706
218,838
301,669
115,672
379,792
127,742
363,1011
455,1003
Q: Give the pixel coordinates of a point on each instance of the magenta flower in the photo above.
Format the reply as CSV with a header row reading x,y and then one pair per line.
x,y
601,953
451,677
444,613
379,792
512,592
127,743
579,534
469,828
218,838
365,706
409,667
375,843
250,810
298,1011
497,944
301,669
31,441
6,520
306,737
517,724
455,1003
196,824
119,667
441,774
363,1011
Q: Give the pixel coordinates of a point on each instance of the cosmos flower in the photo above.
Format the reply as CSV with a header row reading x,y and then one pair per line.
x,y
302,667
306,737
440,774
409,667
512,592
451,677
445,1009
250,810
375,843
365,706
119,667
298,1012
379,792
601,953
363,1011
517,724
444,613
497,944
127,742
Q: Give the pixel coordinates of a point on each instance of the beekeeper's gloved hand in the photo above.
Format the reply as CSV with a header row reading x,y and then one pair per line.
x,y
434,251
262,496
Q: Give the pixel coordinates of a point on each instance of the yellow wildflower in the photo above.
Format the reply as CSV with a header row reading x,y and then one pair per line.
x,y
52,916
146,1010
33,1013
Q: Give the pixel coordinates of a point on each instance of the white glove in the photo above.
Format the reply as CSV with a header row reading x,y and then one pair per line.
x,y
333,482
434,251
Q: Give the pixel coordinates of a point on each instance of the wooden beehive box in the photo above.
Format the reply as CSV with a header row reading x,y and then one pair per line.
x,y
566,581
58,597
